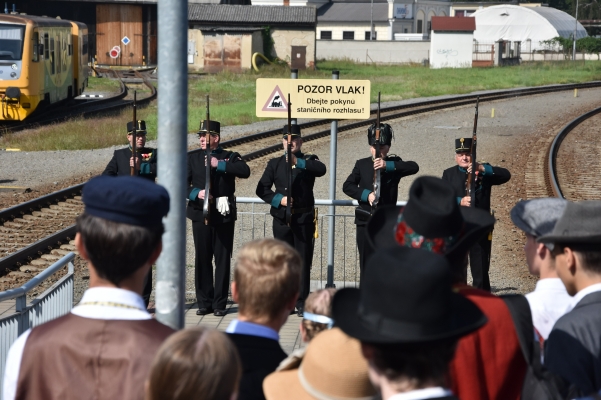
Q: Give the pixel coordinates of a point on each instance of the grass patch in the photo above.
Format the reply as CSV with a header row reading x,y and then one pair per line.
x,y
102,85
233,96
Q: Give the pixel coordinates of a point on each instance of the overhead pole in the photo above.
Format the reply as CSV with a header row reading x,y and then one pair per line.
x,y
172,146
371,23
575,30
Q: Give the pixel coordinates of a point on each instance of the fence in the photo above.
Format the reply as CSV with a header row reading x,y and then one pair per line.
x,y
53,303
483,54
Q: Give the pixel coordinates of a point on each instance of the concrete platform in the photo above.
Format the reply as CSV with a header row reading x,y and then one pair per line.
x,y
290,338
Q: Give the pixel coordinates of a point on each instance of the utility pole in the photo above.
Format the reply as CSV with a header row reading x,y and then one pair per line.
x,y
371,22
575,30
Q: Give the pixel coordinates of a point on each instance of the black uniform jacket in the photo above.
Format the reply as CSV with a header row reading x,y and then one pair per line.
x,y
493,176
360,183
119,164
223,183
308,167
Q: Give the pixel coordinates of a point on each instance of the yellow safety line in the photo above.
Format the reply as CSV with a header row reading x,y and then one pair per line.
x,y
10,149
12,187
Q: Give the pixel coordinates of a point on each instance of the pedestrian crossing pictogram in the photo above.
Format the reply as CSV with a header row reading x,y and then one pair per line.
x,y
276,101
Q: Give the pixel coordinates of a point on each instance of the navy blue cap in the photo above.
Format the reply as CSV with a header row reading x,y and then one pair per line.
x,y
126,199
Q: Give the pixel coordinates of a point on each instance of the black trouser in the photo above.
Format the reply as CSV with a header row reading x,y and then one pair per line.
x,y
212,241
301,238
147,288
365,250
480,263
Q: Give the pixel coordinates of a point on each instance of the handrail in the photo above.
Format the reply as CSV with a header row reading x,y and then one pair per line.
x,y
318,202
38,279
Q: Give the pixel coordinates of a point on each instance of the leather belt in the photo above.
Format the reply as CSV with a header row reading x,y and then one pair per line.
x,y
302,210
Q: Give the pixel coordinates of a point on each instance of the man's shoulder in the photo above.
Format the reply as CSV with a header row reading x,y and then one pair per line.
x,y
451,170
587,312
486,301
251,342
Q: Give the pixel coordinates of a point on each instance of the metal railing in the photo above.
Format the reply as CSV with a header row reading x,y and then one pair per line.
x,y
254,222
53,303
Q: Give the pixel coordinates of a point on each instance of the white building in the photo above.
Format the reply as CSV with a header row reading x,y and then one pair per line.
x,y
528,25
452,42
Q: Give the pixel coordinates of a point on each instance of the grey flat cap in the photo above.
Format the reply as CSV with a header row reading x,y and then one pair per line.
x,y
537,217
580,224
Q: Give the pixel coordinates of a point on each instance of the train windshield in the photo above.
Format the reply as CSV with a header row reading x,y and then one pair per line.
x,y
11,42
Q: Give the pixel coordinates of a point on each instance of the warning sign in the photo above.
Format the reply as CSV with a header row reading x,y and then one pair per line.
x,y
276,102
115,51
313,98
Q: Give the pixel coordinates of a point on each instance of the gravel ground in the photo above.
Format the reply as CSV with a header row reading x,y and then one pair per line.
x,y
507,140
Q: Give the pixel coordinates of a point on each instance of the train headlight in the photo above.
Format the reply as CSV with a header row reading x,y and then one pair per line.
x,y
13,74
14,66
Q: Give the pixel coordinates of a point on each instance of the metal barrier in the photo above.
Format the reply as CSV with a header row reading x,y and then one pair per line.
x,y
53,303
254,222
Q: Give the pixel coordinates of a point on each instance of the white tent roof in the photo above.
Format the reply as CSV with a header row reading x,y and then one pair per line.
x,y
516,23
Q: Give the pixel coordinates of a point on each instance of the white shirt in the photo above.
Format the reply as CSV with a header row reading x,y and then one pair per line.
x,y
422,394
96,303
587,290
549,301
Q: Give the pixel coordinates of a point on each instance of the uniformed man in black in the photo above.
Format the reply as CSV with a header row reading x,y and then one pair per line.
x,y
146,160
216,238
300,233
487,177
360,184
146,167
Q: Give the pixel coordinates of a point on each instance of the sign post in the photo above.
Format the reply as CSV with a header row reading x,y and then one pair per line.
x,y
317,98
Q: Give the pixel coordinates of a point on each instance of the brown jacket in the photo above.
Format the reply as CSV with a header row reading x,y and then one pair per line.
x,y
82,358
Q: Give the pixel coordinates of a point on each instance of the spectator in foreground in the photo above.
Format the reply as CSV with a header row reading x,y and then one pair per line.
x,y
332,368
198,363
265,286
316,318
573,349
489,363
104,347
408,320
549,300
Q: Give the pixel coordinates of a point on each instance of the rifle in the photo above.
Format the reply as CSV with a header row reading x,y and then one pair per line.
x,y
289,165
472,178
206,210
134,152
377,176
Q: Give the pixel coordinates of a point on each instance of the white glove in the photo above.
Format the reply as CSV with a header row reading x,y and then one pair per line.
x,y
223,205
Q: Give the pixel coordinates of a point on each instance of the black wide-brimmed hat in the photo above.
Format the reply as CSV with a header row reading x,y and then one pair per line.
x,y
406,296
579,225
295,130
141,127
463,145
386,134
214,128
431,220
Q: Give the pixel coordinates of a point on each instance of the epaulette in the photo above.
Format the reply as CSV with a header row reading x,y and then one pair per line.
x,y
311,156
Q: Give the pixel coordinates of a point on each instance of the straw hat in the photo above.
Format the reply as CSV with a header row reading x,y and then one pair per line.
x,y
333,368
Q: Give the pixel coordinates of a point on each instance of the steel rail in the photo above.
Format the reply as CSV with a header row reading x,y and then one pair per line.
x,y
554,149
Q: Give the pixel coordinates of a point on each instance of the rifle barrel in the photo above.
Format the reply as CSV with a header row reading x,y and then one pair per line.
x,y
134,152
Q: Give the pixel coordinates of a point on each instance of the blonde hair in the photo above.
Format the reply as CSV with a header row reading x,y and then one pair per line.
x,y
198,363
320,303
267,276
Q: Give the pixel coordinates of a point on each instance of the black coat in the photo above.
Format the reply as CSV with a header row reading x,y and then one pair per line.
x,y
223,184
458,176
119,164
260,357
303,180
361,181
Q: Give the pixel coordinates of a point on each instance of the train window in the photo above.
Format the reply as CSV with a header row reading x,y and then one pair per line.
x,y
85,45
52,60
35,41
11,41
46,47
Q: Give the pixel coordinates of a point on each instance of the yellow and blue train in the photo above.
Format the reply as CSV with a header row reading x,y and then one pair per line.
x,y
42,61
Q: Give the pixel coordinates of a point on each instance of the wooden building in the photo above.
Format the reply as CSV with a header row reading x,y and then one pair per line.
x,y
130,26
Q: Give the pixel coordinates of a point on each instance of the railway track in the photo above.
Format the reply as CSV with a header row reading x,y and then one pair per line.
x,y
90,107
25,227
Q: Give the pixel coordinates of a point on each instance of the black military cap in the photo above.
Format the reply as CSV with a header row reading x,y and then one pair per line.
x,y
386,134
214,128
141,128
463,145
294,130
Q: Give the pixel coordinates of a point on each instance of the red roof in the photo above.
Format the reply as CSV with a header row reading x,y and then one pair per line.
x,y
461,24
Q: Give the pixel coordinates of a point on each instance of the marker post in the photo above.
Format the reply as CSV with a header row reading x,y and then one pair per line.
x,y
332,209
